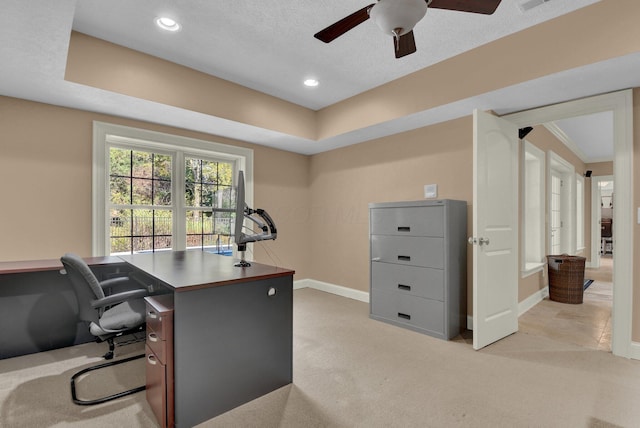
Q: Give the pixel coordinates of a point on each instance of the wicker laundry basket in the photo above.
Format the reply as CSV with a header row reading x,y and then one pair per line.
x,y
566,278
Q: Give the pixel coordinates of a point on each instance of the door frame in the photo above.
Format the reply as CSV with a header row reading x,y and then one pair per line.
x,y
620,103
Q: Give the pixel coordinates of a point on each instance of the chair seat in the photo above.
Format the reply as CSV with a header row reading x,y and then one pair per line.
x,y
123,316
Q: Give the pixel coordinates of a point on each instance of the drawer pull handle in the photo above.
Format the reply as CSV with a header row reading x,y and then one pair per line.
x,y
404,258
153,337
404,316
152,314
404,287
152,359
404,229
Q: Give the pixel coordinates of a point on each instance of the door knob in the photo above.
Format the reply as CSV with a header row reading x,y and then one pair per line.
x,y
478,241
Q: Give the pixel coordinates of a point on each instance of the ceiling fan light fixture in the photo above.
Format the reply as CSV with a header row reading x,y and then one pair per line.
x,y
398,17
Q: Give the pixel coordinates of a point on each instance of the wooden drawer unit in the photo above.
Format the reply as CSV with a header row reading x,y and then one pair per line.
x,y
419,264
159,354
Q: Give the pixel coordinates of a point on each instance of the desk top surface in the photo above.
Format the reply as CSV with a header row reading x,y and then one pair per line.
x,y
188,270
52,264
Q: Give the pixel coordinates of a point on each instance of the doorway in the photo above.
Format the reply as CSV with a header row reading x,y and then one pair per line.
x,y
620,104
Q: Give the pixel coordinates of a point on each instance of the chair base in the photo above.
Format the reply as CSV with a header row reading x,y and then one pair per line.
x,y
111,340
80,402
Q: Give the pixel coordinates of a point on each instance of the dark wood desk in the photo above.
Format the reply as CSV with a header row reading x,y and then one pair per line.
x,y
38,309
232,329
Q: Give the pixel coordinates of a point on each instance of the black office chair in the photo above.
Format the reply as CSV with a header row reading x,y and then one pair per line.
x,y
118,312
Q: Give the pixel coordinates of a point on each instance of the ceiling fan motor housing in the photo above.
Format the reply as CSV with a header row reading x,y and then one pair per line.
x,y
398,17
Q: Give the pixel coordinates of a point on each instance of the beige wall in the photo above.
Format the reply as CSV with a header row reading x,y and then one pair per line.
x,y
104,65
344,181
45,185
600,168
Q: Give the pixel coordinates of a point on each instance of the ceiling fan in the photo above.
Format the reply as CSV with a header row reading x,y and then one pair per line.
x,y
398,17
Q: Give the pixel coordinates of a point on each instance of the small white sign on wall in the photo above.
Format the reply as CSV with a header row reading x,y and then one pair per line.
x,y
430,190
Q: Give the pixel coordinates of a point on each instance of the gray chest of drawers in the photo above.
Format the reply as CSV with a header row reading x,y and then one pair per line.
x,y
419,265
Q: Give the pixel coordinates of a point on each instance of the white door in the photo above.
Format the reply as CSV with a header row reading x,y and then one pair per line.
x,y
495,229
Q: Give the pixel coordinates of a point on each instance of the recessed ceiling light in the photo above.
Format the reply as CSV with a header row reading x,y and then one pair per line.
x,y
167,23
311,83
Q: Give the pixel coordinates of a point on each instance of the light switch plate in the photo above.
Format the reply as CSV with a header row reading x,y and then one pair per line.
x,y
638,215
430,190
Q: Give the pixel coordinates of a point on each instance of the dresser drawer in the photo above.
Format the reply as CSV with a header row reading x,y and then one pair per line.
x,y
424,314
158,346
156,391
408,250
412,280
159,315
410,221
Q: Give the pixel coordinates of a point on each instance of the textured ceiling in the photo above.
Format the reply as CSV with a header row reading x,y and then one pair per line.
x,y
269,46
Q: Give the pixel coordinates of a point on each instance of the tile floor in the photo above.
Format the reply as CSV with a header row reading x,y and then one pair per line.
x,y
587,324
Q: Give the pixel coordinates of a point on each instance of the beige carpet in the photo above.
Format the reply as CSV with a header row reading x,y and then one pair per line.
x,y
350,371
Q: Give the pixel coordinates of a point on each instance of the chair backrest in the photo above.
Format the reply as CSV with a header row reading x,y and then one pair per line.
x,y
85,285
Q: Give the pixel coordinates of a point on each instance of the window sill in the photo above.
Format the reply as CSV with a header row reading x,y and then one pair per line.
x,y
531,268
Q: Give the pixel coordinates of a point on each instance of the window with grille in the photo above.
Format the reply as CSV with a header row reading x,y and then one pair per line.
x,y
155,192
140,203
208,193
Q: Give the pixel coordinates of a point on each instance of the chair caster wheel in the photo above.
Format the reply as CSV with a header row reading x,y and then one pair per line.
x,y
108,355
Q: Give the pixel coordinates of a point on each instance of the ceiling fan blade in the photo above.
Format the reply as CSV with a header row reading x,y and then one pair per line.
x,y
486,7
336,30
405,45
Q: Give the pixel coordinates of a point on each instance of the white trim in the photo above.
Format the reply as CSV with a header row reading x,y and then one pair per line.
x,y
105,134
532,300
580,214
622,106
634,350
566,140
339,290
530,149
566,171
535,268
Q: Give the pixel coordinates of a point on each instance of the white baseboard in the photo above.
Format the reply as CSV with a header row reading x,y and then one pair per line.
x,y
635,351
532,300
523,306
339,290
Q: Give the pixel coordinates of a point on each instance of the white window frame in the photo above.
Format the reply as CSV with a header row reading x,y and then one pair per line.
x,y
566,171
106,135
533,261
580,226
